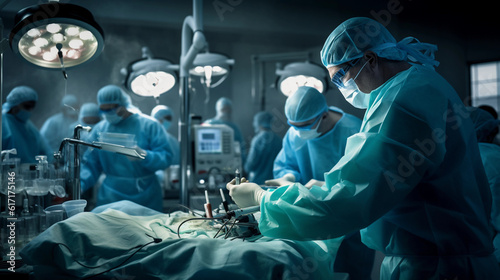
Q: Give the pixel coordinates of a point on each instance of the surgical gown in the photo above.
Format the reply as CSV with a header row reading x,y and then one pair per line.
x,y
490,154
126,179
24,137
54,130
175,148
264,148
413,176
310,159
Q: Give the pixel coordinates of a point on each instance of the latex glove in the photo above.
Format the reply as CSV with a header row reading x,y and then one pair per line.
x,y
314,182
283,181
140,152
245,194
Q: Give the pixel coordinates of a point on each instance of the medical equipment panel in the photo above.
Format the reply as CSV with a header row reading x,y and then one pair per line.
x,y
216,155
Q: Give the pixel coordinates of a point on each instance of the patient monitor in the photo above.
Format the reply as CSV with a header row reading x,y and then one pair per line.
x,y
216,155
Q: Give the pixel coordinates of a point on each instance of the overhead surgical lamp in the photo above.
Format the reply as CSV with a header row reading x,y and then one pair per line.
x,y
208,65
150,76
298,74
56,35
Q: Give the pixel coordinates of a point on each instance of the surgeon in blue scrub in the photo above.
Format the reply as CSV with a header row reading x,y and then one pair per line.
x,y
89,116
486,130
163,114
17,129
312,146
411,179
126,178
54,128
224,113
315,141
264,148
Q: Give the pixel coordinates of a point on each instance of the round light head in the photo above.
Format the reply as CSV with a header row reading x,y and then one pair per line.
x,y
300,74
212,64
45,32
150,77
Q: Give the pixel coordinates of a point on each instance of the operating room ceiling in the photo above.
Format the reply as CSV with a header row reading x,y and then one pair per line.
x,y
286,16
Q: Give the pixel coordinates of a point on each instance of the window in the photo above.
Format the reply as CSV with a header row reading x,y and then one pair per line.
x,y
485,83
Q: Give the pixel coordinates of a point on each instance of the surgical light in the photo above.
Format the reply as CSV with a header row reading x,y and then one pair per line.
x,y
38,29
298,74
150,76
208,65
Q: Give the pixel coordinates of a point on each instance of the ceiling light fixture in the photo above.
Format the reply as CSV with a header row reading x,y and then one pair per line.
x,y
295,75
49,34
150,76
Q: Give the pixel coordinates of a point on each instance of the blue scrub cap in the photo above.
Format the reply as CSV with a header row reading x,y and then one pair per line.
x,y
223,102
352,38
305,104
112,94
69,100
263,119
161,111
19,95
484,123
88,110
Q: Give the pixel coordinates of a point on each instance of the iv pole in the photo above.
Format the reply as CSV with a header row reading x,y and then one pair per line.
x,y
193,41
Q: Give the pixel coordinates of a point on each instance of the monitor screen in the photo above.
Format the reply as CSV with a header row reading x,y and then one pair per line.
x,y
209,141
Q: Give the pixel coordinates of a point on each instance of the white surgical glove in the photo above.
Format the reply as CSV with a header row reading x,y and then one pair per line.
x,y
314,182
245,194
140,151
283,181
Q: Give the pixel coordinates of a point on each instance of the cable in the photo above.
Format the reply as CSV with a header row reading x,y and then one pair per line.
x,y
229,231
223,225
192,219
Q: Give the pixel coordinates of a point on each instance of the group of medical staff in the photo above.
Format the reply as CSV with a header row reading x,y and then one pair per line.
x,y
412,180
409,180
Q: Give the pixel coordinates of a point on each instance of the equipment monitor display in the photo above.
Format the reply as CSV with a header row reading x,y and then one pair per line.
x,y
209,141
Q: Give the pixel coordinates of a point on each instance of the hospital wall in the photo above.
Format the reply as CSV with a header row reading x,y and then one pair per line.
x,y
125,39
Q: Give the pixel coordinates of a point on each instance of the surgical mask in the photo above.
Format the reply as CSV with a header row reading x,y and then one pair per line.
x,y
112,117
166,124
23,115
308,134
351,92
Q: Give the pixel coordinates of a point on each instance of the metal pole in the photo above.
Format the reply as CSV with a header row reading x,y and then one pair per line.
x,y
192,42
76,168
2,41
1,81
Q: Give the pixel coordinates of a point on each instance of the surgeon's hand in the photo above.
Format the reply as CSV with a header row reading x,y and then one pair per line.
x,y
140,151
314,182
283,181
245,194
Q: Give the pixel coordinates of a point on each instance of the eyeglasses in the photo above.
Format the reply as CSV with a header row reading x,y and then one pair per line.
x,y
307,127
337,78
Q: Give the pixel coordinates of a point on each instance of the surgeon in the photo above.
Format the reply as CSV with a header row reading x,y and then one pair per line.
x,y
164,115
315,141
412,178
17,129
89,116
224,111
264,148
312,146
486,129
126,178
54,129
